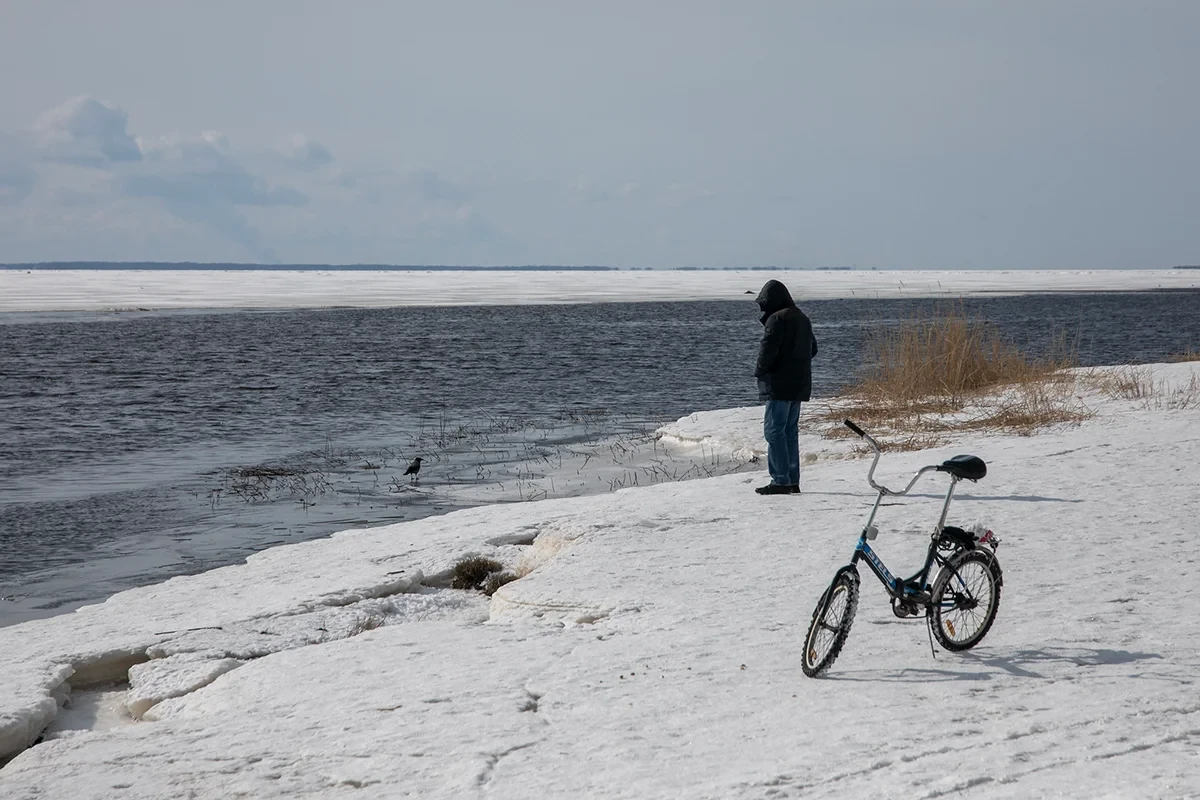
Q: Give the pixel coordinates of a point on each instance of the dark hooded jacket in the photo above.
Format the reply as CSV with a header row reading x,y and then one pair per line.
x,y
784,366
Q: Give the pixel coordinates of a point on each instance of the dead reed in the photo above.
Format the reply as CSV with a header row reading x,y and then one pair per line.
x,y
946,358
945,372
1137,383
1191,354
480,573
1124,383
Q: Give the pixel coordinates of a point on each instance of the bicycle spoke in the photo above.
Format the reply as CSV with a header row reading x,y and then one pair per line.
x,y
966,603
829,627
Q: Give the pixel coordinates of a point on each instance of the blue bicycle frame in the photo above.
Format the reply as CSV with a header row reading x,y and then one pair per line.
x,y
916,587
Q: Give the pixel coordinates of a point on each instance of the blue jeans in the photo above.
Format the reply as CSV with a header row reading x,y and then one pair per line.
x,y
781,430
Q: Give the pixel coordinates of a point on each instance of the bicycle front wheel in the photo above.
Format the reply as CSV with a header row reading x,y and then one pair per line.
x,y
830,624
965,599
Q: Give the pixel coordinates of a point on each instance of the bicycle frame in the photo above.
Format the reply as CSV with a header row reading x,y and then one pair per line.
x,y
907,588
960,605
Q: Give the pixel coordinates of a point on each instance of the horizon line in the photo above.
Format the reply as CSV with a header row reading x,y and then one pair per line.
x,y
250,266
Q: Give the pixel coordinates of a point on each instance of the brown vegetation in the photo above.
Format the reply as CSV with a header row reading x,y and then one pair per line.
x,y
480,573
947,372
1138,384
1123,383
1191,354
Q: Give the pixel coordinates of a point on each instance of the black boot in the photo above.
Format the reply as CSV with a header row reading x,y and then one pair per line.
x,y
774,488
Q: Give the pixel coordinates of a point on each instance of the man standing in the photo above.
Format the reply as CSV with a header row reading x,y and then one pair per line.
x,y
784,372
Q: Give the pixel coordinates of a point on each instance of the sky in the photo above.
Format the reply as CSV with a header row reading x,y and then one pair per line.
x,y
922,135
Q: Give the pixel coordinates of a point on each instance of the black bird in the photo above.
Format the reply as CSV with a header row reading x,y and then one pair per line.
x,y
414,468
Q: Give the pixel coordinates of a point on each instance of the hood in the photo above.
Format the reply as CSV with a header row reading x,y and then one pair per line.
x,y
773,297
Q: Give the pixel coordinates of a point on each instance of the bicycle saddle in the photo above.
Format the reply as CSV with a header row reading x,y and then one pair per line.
x,y
970,468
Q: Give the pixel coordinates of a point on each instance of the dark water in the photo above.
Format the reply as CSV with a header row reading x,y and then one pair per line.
x,y
112,427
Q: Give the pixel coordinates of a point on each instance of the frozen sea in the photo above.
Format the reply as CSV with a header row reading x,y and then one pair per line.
x,y
137,445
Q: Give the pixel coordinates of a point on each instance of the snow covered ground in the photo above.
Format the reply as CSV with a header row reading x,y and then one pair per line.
x,y
97,290
652,646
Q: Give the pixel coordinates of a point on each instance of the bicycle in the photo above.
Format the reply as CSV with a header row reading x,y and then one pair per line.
x,y
961,603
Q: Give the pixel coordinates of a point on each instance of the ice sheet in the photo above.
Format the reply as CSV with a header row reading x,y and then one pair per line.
x,y
132,290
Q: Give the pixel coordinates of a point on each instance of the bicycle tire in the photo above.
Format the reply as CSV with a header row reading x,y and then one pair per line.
x,y
830,624
970,579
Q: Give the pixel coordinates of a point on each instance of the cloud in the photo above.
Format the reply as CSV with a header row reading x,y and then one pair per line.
x,y
303,153
200,169
17,176
192,194
383,215
198,179
433,188
85,131
423,187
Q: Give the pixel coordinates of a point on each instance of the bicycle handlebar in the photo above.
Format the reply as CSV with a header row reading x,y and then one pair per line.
x,y
874,463
874,444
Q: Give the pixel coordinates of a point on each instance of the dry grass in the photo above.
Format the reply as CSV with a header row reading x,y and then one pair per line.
x,y
903,443
496,580
1191,354
947,372
471,573
1032,405
1138,384
1124,383
947,358
366,623
1185,396
263,471
1171,396
944,373
481,573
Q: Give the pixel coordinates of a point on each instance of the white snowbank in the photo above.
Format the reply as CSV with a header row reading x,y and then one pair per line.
x,y
653,650
76,290
739,431
174,676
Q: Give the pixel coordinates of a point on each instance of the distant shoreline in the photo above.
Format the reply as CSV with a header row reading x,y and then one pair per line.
x,y
200,266
218,266
171,266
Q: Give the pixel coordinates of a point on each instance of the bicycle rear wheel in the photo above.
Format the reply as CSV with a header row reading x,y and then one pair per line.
x,y
830,624
965,599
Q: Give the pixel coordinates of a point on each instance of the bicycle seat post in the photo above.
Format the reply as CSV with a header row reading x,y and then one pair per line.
x,y
941,523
